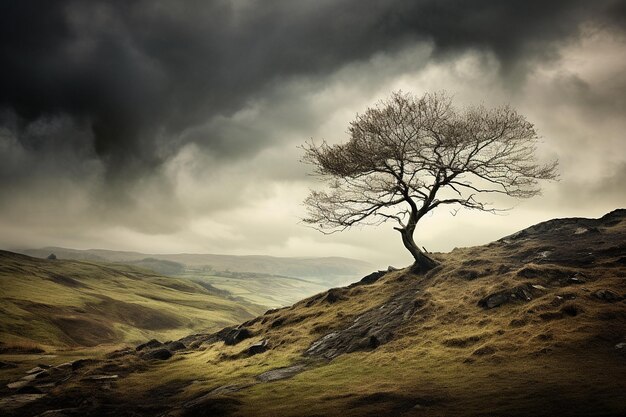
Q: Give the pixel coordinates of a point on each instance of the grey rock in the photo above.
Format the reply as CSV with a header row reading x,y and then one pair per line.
x,y
158,354
235,336
17,384
334,294
280,373
258,347
607,295
520,293
64,366
120,353
371,278
35,370
494,300
80,363
374,327
151,344
578,278
174,346
101,377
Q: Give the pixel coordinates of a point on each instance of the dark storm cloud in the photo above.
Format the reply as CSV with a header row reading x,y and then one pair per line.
x,y
135,76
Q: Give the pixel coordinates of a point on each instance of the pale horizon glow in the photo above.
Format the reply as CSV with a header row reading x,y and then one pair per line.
x,y
222,174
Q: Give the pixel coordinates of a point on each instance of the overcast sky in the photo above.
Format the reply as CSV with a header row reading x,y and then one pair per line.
x,y
174,126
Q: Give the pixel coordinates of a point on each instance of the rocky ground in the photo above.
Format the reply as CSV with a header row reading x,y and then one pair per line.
x,y
532,324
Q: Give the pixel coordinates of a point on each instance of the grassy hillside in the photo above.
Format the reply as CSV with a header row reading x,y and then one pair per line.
x,y
329,270
533,324
262,289
77,303
264,280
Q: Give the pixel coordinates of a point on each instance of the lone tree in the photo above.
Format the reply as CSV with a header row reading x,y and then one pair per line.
x,y
407,156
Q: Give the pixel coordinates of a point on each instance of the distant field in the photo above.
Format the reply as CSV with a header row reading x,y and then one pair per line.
x,y
263,280
331,271
60,303
268,290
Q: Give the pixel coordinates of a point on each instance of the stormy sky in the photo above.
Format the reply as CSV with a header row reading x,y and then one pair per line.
x,y
174,126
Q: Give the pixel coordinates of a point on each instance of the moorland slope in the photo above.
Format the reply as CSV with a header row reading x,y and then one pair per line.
x,y
53,303
532,324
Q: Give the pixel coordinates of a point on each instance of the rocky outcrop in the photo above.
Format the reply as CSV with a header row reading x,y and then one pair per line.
x,y
151,344
236,335
519,293
160,354
373,328
258,347
371,278
280,373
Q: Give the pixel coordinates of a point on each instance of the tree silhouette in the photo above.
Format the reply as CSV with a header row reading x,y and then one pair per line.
x,y
407,156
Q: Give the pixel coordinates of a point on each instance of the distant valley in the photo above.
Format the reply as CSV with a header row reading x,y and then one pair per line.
x,y
68,303
265,280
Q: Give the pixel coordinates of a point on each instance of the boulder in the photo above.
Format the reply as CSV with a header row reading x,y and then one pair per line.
x,y
151,344
64,366
333,295
520,293
371,278
235,336
18,384
42,374
258,347
101,377
158,354
578,278
81,363
176,345
52,256
35,370
120,353
607,295
493,300
280,373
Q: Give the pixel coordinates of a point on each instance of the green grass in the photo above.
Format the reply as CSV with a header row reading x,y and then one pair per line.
x,y
73,303
452,359
553,354
268,290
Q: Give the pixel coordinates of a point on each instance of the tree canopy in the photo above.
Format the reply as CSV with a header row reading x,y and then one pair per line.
x,y
408,155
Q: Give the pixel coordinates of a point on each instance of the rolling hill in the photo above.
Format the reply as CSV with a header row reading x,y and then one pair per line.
x,y
328,270
531,324
264,280
61,303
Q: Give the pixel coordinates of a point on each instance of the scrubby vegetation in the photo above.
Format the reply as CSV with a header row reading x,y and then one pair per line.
x,y
533,324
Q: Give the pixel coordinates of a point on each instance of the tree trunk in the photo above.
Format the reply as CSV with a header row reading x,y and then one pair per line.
x,y
423,263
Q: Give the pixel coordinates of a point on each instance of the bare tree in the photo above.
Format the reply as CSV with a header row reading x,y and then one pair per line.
x,y
407,156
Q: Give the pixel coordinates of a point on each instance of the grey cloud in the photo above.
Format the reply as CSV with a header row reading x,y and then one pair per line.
x,y
98,98
135,72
